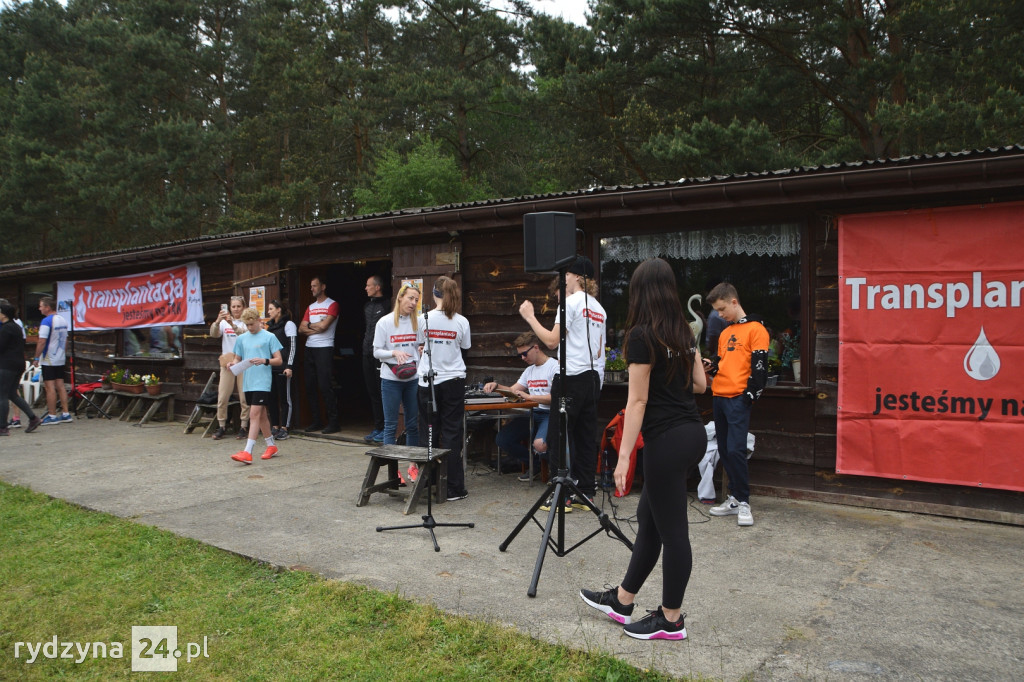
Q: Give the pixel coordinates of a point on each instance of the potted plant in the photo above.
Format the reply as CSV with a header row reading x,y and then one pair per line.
x,y
791,351
152,383
125,380
774,365
614,366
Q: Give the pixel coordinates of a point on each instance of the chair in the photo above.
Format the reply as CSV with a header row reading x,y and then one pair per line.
x,y
30,390
201,410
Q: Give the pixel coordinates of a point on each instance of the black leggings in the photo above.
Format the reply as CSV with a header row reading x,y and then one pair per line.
x,y
661,514
10,381
280,390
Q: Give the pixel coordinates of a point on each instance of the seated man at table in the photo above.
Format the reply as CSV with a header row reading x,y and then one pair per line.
x,y
534,384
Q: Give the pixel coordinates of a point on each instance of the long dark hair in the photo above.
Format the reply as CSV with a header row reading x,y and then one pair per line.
x,y
655,309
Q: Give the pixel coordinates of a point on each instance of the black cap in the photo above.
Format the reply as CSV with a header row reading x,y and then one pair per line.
x,y
582,266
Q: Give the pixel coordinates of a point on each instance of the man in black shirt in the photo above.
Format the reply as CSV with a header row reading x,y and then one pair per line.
x,y
376,307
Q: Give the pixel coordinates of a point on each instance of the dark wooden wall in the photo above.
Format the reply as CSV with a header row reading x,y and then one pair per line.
x,y
494,285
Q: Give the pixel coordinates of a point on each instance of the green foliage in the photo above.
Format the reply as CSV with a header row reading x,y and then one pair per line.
x,y
425,177
708,148
133,122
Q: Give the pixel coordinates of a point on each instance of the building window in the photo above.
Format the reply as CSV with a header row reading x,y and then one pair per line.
x,y
762,261
152,342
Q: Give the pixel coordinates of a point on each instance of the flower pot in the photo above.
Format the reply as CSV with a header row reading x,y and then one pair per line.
x,y
130,388
796,369
154,389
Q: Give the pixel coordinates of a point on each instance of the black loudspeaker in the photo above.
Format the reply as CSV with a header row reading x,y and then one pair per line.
x,y
549,241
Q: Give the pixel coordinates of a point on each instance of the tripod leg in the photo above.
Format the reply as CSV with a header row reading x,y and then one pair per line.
x,y
603,518
526,517
557,507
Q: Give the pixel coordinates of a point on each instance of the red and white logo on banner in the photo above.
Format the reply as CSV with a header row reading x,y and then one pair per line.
x,y
930,357
173,296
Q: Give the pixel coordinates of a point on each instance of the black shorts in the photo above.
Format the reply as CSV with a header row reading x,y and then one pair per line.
x,y
257,397
52,373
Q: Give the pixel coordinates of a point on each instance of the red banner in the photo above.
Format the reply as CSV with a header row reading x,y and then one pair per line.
x,y
931,361
173,296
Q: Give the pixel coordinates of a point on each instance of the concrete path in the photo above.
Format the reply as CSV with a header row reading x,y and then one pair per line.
x,y
811,591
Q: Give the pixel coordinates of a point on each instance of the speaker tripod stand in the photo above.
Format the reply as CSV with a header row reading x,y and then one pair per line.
x,y
562,485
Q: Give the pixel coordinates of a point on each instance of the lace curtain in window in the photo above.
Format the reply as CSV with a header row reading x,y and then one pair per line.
x,y
751,240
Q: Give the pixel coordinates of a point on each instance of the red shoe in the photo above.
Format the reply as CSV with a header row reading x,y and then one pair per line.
x,y
243,457
270,452
414,472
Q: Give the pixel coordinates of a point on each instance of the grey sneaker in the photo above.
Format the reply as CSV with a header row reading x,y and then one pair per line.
x,y
727,508
743,515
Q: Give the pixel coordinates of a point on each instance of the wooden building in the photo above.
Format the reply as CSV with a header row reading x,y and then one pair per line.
x,y
793,269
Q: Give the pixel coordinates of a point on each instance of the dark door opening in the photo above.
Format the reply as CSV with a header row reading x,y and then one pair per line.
x,y
346,284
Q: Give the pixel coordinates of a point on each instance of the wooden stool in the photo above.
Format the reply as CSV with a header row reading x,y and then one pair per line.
x,y
390,455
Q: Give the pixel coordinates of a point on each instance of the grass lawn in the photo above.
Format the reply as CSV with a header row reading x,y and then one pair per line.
x,y
88,577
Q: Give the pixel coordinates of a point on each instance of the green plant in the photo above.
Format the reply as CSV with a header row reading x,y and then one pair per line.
x,y
116,374
151,380
614,362
774,365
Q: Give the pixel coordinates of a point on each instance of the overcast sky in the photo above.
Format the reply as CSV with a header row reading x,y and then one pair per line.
x,y
570,10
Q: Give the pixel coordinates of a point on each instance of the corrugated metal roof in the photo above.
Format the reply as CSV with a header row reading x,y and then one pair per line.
x,y
782,174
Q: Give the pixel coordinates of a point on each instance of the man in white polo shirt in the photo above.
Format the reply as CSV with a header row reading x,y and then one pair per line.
x,y
318,326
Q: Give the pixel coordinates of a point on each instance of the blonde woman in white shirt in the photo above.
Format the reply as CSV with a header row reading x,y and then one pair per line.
x,y
394,344
445,334
227,327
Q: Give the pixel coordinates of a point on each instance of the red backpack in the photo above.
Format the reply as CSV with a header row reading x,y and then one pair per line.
x,y
611,439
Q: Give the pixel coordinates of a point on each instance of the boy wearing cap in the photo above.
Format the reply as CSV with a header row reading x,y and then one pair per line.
x,y
584,371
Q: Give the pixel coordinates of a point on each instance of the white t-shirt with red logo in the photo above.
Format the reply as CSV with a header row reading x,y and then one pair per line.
x,y
448,338
314,313
229,334
537,379
583,316
388,338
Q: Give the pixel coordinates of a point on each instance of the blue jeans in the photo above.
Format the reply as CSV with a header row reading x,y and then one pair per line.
x,y
393,394
732,420
515,435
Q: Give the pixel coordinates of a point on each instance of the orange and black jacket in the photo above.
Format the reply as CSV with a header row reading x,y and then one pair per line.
x,y
741,366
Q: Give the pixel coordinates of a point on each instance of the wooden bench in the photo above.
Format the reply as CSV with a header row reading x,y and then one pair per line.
x,y
133,401
390,455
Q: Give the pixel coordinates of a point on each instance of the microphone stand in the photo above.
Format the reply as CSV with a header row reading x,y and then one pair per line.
x,y
428,519
562,485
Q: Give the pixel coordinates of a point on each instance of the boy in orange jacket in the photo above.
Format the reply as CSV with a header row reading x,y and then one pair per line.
x,y
739,373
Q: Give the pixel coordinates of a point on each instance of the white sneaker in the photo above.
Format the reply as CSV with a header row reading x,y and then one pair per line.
x,y
727,508
743,515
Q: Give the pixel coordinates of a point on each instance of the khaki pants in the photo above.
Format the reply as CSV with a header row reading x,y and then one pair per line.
x,y
228,383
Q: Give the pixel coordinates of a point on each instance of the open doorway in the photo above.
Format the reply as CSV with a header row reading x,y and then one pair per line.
x,y
346,284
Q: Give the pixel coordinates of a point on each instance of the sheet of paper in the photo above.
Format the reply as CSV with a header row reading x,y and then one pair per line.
x,y
240,367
